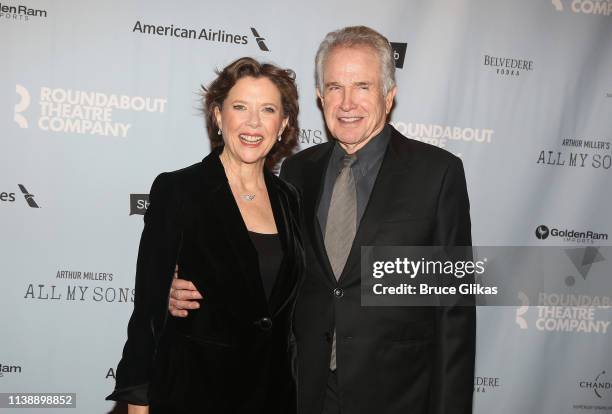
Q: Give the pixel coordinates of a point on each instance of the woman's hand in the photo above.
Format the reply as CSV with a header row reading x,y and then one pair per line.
x,y
138,409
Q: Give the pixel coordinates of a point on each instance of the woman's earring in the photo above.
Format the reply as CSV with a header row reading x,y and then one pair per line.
x,y
219,131
280,137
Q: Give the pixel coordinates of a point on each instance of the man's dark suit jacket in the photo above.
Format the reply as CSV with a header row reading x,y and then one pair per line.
x,y
232,355
390,359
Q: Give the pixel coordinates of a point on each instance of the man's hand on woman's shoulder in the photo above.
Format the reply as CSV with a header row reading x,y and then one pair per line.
x,y
183,296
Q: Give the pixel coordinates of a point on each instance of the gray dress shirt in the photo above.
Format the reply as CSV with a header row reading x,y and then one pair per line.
x,y
365,171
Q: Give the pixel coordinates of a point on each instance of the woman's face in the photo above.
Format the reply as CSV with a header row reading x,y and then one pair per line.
x,y
251,119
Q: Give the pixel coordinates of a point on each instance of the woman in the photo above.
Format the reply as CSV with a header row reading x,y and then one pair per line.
x,y
232,228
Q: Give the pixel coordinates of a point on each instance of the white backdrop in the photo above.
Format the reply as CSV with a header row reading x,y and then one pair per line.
x,y
99,97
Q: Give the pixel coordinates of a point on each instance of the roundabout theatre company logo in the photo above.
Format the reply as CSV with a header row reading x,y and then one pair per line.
x,y
596,7
568,312
81,112
443,135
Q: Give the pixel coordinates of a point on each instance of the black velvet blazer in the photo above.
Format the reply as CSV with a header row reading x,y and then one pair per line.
x,y
233,354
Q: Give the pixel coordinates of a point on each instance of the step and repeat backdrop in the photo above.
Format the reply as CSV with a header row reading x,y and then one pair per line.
x,y
97,98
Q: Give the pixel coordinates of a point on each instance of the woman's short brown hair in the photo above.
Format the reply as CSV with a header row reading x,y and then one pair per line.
x,y
284,79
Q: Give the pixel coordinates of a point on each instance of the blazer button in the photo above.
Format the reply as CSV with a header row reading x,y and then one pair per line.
x,y
338,292
265,324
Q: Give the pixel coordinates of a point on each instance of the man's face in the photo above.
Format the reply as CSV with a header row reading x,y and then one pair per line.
x,y
354,105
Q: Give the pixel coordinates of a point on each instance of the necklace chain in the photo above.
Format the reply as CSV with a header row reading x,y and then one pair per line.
x,y
245,197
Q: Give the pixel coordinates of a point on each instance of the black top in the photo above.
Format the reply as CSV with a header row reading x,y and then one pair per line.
x,y
365,171
270,255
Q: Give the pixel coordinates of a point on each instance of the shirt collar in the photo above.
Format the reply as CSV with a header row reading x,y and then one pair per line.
x,y
369,155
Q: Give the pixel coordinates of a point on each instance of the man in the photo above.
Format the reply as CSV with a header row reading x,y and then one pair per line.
x,y
372,186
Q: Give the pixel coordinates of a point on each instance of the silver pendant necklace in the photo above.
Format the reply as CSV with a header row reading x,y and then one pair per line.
x,y
245,197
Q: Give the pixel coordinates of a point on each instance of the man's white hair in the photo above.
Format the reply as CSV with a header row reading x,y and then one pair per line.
x,y
354,36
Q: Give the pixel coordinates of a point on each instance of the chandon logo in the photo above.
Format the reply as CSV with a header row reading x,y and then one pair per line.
x,y
598,385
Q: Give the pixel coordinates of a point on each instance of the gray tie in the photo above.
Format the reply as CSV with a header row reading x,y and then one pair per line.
x,y
341,226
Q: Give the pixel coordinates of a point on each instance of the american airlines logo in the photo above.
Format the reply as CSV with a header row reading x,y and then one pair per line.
x,y
29,198
259,40
210,34
10,197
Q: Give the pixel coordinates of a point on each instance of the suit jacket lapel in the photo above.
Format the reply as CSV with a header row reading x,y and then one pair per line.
x,y
313,189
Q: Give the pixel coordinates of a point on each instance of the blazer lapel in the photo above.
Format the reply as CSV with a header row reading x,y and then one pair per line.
x,y
285,283
224,207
